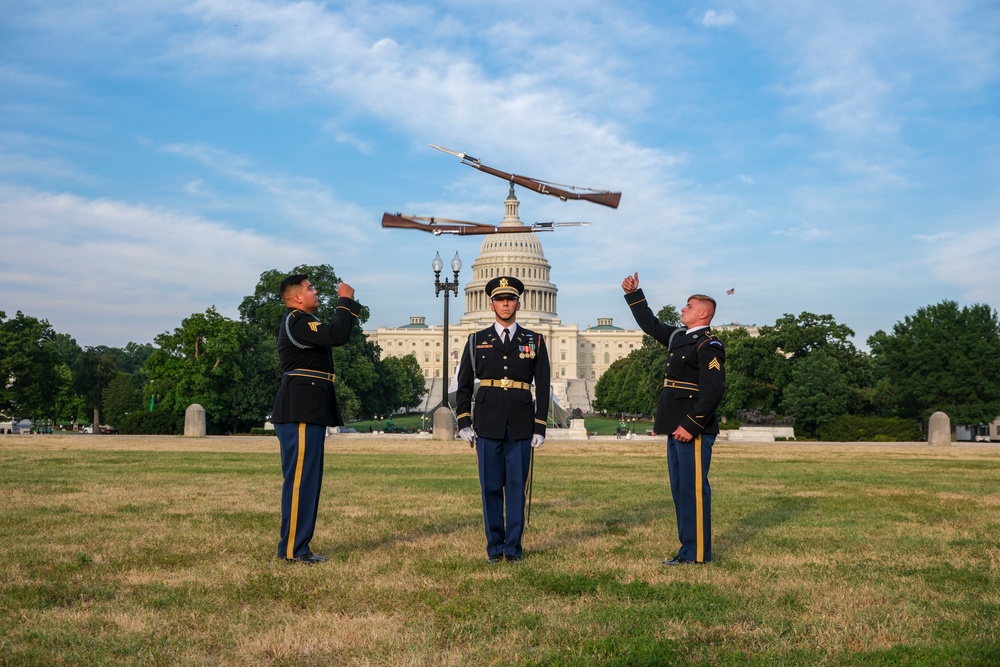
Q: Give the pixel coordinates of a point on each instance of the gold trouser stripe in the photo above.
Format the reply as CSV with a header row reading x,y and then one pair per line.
x,y
293,520
505,383
699,503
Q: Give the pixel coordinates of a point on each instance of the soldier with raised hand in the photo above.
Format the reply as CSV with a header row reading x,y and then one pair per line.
x,y
505,424
305,405
693,384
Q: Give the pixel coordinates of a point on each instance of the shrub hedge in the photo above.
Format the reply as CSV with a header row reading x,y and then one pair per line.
x,y
854,428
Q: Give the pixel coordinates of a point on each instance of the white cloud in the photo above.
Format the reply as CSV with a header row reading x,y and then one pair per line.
x,y
968,260
113,272
723,19
302,202
575,91
933,238
804,232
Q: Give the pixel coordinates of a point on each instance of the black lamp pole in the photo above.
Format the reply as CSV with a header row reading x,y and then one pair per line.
x,y
446,287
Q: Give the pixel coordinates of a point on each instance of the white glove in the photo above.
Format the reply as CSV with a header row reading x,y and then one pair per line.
x,y
468,435
537,440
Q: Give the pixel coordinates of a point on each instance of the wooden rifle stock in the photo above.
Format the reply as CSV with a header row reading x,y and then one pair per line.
x,y
398,221
602,197
605,198
456,227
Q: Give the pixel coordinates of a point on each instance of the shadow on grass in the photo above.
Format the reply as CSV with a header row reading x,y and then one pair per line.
x,y
746,529
401,538
619,521
622,521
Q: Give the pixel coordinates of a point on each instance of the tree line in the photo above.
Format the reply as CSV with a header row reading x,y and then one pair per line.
x,y
230,367
942,358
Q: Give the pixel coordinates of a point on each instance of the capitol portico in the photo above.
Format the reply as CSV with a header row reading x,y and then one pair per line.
x,y
578,357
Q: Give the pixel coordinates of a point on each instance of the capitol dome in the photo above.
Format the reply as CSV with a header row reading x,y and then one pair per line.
x,y
519,255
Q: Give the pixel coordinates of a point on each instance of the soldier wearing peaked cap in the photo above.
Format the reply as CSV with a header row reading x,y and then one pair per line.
x,y
693,384
505,423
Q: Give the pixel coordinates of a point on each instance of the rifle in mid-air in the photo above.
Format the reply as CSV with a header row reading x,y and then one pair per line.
x,y
438,226
564,192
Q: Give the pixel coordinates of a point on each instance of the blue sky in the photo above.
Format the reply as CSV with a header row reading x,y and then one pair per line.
x,y
157,156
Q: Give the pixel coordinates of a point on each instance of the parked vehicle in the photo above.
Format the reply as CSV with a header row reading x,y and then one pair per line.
x,y
104,429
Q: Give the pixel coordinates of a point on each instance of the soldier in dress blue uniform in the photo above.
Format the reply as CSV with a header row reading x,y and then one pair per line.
x,y
505,424
693,384
306,404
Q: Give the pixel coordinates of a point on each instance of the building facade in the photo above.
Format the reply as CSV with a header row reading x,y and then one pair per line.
x,y
578,357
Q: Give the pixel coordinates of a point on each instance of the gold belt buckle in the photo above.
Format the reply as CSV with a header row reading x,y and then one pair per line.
x,y
506,383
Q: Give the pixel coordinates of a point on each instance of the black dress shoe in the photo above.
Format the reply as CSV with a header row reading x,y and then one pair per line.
x,y
494,559
307,558
677,560
512,559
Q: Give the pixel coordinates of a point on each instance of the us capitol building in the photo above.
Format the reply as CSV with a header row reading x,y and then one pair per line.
x,y
578,358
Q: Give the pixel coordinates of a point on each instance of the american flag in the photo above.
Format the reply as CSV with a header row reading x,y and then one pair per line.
x,y
731,291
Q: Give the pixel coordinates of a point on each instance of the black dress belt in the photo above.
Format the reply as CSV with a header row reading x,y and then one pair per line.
x,y
309,373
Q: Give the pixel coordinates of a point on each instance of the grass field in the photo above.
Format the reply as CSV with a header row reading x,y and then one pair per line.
x,y
594,424
121,550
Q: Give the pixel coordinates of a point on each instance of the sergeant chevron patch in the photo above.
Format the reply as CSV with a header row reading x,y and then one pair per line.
x,y
714,364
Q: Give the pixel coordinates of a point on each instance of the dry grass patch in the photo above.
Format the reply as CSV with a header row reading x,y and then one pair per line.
x,y
144,551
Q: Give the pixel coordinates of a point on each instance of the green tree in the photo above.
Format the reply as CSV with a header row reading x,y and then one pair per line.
x,y
942,358
29,379
251,399
134,357
760,368
609,394
70,405
632,384
93,370
817,393
264,308
747,387
407,378
122,393
199,362
359,369
122,396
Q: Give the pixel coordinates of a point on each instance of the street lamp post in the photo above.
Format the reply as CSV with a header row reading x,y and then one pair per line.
x,y
443,417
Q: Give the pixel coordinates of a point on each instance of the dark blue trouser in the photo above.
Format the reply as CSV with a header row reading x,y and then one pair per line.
x,y
688,464
302,467
503,475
